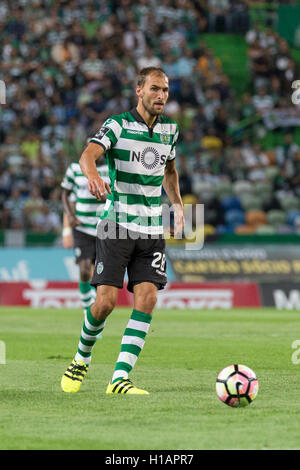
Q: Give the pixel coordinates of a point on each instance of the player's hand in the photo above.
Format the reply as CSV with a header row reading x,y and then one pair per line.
x,y
73,221
178,220
67,241
99,188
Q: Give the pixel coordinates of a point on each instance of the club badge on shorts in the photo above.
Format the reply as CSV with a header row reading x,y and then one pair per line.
x,y
100,267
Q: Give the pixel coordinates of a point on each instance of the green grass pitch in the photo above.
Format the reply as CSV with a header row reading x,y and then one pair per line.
x,y
183,354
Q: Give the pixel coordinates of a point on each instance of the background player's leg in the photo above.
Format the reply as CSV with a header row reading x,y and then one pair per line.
x,y
85,254
93,325
94,321
87,292
145,297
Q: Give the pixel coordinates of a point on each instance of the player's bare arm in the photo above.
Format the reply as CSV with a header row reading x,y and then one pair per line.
x,y
87,161
171,186
67,236
69,209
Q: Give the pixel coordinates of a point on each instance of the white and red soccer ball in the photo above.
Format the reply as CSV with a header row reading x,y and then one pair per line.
x,y
237,385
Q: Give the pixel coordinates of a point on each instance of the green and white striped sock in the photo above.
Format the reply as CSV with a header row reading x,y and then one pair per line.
x,y
132,343
87,294
91,331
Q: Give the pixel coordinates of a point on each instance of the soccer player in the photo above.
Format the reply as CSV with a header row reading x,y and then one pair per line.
x,y
140,153
80,222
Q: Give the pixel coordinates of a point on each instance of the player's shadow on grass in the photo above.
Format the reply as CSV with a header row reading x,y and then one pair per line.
x,y
179,389
65,358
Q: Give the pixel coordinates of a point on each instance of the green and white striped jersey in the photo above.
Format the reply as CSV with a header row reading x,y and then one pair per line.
x,y
87,207
136,157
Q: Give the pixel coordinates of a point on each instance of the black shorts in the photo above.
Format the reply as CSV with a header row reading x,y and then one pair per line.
x,y
84,246
144,259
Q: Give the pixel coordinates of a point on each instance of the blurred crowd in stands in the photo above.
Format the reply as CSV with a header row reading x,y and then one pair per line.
x,y
69,64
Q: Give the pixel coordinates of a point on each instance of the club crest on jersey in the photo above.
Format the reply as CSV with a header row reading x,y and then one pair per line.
x,y
165,139
100,267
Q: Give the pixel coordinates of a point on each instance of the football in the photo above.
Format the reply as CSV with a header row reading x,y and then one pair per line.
x,y
237,385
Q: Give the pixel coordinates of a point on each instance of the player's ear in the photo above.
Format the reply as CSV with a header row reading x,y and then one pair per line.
x,y
139,91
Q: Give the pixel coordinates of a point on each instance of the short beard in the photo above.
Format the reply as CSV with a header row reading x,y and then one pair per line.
x,y
151,111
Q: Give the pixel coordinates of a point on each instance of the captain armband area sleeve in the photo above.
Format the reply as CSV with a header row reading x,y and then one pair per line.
x,y
108,134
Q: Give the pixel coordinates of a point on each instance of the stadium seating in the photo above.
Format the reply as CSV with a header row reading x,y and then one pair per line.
x,y
271,172
234,217
263,189
265,230
224,189
276,218
204,189
83,82
290,202
251,202
230,203
242,187
293,217
244,230
255,218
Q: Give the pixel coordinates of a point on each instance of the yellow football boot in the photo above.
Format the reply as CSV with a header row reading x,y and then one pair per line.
x,y
73,377
125,386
